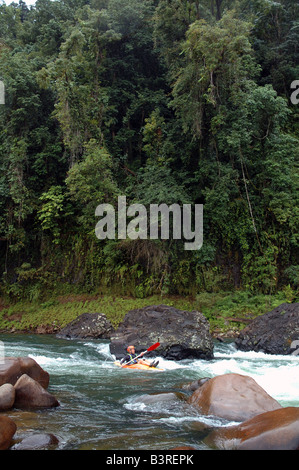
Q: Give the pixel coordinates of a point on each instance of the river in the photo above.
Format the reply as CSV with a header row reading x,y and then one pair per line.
x,y
103,407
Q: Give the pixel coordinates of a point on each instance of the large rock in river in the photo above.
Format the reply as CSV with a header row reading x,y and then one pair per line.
x,y
12,368
30,395
7,396
273,430
7,431
38,441
181,334
232,396
88,325
275,332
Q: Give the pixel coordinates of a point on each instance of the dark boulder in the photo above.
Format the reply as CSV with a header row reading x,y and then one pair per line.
x,y
273,430
275,332
88,325
232,396
181,334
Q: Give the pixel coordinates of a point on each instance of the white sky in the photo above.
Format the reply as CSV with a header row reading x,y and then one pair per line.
x,y
8,2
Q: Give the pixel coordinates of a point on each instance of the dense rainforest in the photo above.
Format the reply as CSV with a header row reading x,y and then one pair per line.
x,y
161,101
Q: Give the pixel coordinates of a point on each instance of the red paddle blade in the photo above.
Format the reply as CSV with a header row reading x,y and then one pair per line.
x,y
154,346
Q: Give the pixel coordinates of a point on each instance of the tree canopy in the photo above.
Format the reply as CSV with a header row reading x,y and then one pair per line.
x,y
163,101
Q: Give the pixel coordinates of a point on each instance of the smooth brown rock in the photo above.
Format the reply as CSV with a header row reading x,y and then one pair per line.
x,y
7,396
30,394
232,396
11,369
273,430
7,431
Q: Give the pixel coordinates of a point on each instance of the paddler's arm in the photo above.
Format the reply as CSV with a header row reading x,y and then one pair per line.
x,y
125,359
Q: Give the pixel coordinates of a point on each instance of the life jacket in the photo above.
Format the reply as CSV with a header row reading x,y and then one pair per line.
x,y
132,357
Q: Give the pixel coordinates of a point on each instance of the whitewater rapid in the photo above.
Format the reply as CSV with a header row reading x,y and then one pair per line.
x,y
100,402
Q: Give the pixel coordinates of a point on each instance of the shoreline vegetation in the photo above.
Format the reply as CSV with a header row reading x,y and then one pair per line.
x,y
227,312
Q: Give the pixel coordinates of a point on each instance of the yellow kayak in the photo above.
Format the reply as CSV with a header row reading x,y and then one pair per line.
x,y
137,366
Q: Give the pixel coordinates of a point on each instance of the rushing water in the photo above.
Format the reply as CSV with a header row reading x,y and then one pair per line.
x,y
105,407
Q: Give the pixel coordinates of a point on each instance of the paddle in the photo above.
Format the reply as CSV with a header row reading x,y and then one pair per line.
x,y
151,348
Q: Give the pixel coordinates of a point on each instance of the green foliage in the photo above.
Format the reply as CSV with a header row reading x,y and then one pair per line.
x,y
165,102
152,136
51,211
90,182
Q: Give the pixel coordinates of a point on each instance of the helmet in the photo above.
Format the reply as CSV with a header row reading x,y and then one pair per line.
x,y
130,347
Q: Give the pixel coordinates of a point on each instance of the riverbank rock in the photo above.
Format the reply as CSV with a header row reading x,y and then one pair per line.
x,y
181,334
7,396
7,431
88,325
37,442
232,396
30,394
273,430
12,368
275,332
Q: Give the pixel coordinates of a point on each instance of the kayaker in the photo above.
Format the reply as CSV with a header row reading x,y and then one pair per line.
x,y
130,357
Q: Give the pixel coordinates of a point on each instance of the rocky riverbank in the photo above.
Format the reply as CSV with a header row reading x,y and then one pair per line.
x,y
186,334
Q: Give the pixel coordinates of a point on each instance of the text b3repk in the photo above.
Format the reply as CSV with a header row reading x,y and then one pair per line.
x,y
135,221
